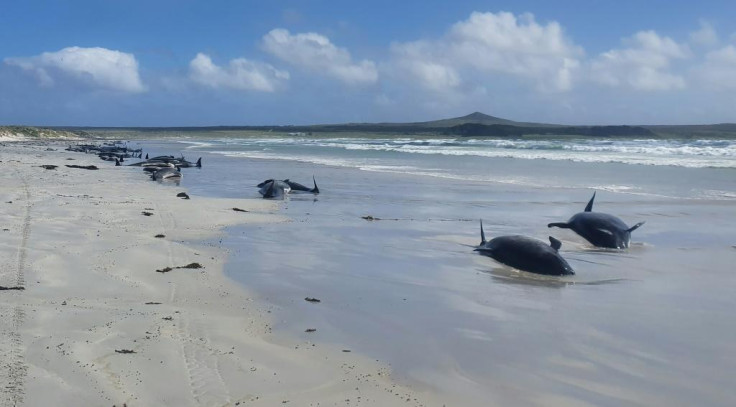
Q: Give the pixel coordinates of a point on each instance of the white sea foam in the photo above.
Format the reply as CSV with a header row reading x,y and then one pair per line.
x,y
196,144
690,153
719,195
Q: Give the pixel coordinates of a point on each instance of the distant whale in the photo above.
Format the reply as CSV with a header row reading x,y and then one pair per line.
x,y
294,186
164,159
274,189
600,229
525,253
167,173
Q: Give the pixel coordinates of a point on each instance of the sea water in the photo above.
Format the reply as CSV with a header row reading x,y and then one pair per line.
x,y
651,325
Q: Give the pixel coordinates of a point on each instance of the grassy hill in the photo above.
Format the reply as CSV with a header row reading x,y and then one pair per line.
x,y
29,132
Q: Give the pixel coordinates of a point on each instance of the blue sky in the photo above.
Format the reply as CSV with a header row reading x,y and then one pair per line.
x,y
198,63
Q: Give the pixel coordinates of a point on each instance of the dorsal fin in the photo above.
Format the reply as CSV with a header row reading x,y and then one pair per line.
x,y
556,244
589,207
482,235
315,189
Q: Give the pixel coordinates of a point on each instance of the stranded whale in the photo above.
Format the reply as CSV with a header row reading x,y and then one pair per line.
x,y
170,172
600,229
293,186
163,160
525,253
274,189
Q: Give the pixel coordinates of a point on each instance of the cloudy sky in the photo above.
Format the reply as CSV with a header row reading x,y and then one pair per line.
x,y
199,63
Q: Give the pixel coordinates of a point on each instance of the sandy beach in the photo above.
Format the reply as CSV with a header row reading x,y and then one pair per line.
x,y
97,325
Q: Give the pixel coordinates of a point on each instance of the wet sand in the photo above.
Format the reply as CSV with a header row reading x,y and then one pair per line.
x,y
97,325
648,326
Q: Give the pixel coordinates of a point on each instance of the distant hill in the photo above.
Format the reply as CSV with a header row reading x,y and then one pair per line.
x,y
473,118
477,118
473,125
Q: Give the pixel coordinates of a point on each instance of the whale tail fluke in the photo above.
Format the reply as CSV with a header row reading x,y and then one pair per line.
x,y
589,207
561,225
633,228
315,190
199,163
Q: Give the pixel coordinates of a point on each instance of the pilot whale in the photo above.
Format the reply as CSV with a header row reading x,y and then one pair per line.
x,y
293,186
600,229
170,172
271,189
525,253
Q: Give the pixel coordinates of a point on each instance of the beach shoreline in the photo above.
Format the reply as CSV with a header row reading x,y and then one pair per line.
x,y
95,324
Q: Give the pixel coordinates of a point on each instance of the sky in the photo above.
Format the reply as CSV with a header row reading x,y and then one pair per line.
x,y
209,63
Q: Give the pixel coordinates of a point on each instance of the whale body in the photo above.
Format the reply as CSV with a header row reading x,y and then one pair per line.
x,y
600,229
526,253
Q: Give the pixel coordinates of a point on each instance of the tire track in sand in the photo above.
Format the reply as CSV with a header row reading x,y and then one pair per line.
x,y
205,380
13,369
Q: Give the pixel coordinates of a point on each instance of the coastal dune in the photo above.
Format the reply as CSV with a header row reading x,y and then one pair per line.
x,y
96,324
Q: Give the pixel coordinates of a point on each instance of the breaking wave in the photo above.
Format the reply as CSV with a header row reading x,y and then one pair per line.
x,y
683,153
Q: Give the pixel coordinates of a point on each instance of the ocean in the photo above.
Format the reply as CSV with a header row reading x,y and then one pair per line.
x,y
650,325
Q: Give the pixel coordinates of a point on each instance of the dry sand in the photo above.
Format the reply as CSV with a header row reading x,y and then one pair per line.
x,y
78,243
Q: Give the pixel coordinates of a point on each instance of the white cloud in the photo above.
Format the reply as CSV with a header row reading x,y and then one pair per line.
x,y
315,52
706,36
240,74
488,44
415,59
99,67
719,69
643,65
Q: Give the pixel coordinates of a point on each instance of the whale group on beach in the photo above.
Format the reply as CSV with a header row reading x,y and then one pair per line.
x,y
534,256
110,151
520,252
